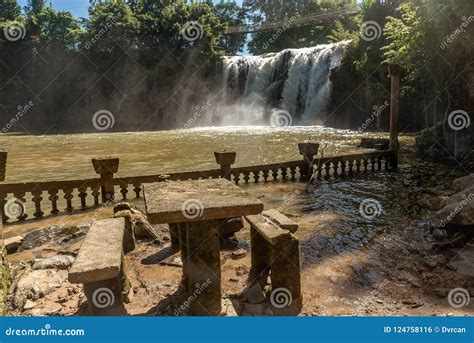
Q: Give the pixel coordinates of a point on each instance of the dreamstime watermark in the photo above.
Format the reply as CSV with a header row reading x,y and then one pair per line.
x,y
14,208
108,24
377,111
192,31
280,118
457,209
14,31
281,297
199,288
279,32
21,111
370,31
46,331
103,120
192,209
459,297
370,208
466,21
199,111
459,120
288,201
103,297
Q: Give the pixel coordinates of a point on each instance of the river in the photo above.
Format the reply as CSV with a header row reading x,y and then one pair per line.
x,y
66,157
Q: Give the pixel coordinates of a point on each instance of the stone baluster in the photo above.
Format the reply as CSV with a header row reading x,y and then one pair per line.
x,y
20,205
265,175
124,191
137,188
246,177
357,162
106,167
37,192
293,172
366,162
53,197
83,195
256,176
308,151
237,178
225,159
95,194
327,170
68,196
275,173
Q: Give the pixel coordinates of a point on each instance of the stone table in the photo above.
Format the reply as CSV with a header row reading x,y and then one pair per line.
x,y
198,205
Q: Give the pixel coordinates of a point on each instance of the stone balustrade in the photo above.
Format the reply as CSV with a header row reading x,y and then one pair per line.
x,y
21,201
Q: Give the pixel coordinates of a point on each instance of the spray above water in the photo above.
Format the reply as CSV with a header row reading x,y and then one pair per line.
x,y
293,80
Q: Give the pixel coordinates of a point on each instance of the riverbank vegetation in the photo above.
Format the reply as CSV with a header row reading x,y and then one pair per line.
x,y
151,62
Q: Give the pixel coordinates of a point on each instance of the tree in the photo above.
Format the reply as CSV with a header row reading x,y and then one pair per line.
x,y
289,12
111,28
9,10
59,28
232,15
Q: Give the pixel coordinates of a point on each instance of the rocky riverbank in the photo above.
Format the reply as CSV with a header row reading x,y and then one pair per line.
x,y
401,262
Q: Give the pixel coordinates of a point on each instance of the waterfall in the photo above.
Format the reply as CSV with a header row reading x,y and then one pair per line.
x,y
295,81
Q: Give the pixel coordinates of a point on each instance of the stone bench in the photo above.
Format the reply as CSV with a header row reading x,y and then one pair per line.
x,y
100,267
275,252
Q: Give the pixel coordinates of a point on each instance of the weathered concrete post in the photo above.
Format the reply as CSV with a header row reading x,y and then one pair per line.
x,y
204,267
395,71
106,167
308,150
225,159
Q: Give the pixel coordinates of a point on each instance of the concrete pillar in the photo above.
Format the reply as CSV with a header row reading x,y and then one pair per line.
x,y
395,72
225,159
174,235
106,167
308,151
105,297
260,263
204,268
285,267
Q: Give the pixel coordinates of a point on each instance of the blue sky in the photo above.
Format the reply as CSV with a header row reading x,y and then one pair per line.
x,y
77,7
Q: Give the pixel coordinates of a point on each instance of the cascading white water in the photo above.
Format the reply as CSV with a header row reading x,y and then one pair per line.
x,y
293,80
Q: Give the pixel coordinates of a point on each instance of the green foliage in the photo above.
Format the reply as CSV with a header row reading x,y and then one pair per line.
x,y
269,11
111,27
232,15
405,36
9,10
59,28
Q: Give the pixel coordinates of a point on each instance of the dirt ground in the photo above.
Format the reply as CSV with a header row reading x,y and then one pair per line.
x,y
350,265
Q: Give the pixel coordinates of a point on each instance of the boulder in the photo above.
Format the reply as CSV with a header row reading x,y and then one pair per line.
x,y
55,262
459,209
34,285
54,234
463,183
11,244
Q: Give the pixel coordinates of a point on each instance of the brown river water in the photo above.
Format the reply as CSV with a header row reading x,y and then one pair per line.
x,y
351,264
66,157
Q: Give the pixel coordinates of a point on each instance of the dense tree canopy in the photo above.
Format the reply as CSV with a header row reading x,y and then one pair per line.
x,y
148,56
